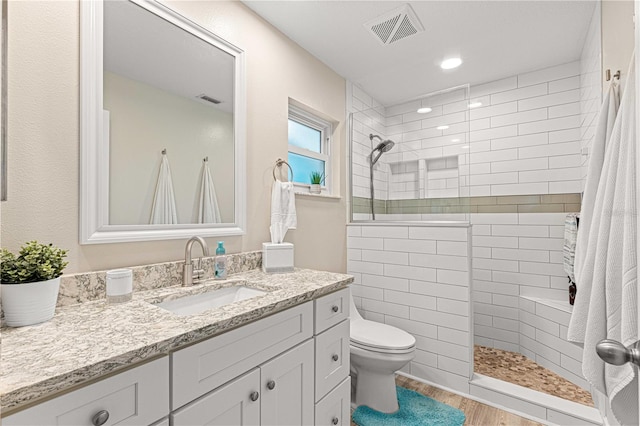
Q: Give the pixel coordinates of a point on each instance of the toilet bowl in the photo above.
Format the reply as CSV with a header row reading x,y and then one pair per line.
x,y
377,352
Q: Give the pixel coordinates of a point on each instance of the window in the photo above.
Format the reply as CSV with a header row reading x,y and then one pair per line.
x,y
308,148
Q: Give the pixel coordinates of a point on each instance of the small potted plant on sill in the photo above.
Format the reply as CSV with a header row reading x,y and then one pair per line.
x,y
317,179
30,282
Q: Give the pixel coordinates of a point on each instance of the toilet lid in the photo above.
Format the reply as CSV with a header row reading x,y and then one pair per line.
x,y
380,336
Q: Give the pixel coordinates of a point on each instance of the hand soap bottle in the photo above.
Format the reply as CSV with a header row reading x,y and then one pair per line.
x,y
221,262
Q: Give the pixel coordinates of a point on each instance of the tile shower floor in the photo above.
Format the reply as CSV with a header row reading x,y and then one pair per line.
x,y
516,368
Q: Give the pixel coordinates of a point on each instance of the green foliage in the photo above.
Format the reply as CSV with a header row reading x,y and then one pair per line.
x,y
317,178
35,262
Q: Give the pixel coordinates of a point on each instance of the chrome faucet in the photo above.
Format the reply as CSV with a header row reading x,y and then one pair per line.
x,y
192,276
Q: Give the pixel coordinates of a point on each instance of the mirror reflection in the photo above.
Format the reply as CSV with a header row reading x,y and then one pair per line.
x,y
168,113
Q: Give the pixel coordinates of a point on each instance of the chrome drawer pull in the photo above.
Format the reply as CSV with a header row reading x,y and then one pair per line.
x,y
271,385
334,357
254,396
100,418
335,308
335,420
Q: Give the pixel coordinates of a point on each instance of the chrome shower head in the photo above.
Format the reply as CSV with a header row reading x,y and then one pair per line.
x,y
385,146
382,147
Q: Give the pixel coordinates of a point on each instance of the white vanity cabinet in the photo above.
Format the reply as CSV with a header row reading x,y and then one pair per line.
x,y
139,396
290,368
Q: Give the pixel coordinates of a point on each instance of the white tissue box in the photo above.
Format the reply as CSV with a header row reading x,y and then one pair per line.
x,y
277,258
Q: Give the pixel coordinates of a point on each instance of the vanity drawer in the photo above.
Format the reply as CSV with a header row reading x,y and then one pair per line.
x,y
332,358
331,309
207,365
335,408
139,396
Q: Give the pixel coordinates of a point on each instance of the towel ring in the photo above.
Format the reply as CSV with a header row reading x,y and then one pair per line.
x,y
279,163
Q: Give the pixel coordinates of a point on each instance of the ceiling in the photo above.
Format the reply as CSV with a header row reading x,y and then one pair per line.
x,y
495,39
144,47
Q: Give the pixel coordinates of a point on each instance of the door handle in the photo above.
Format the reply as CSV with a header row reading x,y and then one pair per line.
x,y
614,352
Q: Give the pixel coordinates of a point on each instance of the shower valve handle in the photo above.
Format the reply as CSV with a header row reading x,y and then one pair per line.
x,y
614,352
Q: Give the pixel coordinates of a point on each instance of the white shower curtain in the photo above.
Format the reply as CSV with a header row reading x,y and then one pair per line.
x,y
606,303
163,210
208,210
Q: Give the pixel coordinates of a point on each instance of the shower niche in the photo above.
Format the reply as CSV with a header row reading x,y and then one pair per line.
x,y
425,178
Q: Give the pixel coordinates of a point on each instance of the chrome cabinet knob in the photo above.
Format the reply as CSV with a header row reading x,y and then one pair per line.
x,y
254,396
100,418
335,308
613,352
271,385
334,357
335,420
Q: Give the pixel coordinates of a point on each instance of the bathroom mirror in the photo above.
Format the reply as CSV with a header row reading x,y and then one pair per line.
x,y
162,126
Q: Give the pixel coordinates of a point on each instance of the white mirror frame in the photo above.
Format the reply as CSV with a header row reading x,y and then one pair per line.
x,y
94,149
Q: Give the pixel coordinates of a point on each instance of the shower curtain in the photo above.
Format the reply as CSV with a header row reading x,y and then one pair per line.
x,y
606,277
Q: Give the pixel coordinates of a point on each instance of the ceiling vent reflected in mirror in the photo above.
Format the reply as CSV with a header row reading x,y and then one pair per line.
x,y
395,25
208,99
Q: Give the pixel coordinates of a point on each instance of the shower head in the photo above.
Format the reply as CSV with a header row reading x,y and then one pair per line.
x,y
385,146
382,147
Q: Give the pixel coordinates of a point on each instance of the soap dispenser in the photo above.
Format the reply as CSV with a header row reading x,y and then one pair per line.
x,y
220,262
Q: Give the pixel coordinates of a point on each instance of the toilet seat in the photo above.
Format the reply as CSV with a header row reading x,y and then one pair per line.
x,y
378,337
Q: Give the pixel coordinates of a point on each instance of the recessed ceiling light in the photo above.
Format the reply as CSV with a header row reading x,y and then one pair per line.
x,y
442,127
455,140
424,110
475,104
451,63
465,147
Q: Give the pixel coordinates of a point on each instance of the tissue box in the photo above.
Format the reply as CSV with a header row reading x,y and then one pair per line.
x,y
277,258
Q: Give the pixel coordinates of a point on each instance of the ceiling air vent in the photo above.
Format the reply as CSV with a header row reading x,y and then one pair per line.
x,y
395,25
208,99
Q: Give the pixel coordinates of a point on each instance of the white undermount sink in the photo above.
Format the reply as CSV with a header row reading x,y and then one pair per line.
x,y
197,303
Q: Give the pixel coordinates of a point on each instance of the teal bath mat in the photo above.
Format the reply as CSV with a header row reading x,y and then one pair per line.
x,y
415,410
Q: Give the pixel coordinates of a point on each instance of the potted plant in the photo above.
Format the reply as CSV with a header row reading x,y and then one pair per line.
x,y
30,282
317,179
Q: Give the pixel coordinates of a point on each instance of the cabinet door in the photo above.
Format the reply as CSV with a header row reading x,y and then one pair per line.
x,y
234,404
287,388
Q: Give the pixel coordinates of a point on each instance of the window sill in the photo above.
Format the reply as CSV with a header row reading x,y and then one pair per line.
x,y
308,194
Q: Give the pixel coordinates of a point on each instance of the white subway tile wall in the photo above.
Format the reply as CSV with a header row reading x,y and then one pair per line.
x,y
526,138
534,119
543,332
417,278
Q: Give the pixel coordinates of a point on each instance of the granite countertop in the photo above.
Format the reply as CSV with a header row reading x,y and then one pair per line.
x,y
85,341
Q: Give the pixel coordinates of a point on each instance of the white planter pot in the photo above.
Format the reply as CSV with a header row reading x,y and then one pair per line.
x,y
315,188
30,303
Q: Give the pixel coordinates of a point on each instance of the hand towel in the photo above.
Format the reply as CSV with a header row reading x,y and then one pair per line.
x,y
163,210
606,303
283,210
569,249
208,209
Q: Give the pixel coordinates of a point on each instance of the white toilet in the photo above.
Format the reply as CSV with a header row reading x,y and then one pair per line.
x,y
377,352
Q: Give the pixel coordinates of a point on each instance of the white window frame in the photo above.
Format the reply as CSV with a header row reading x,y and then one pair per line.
x,y
326,130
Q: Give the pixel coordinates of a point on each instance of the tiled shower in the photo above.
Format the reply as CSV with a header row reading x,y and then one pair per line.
x,y
511,167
